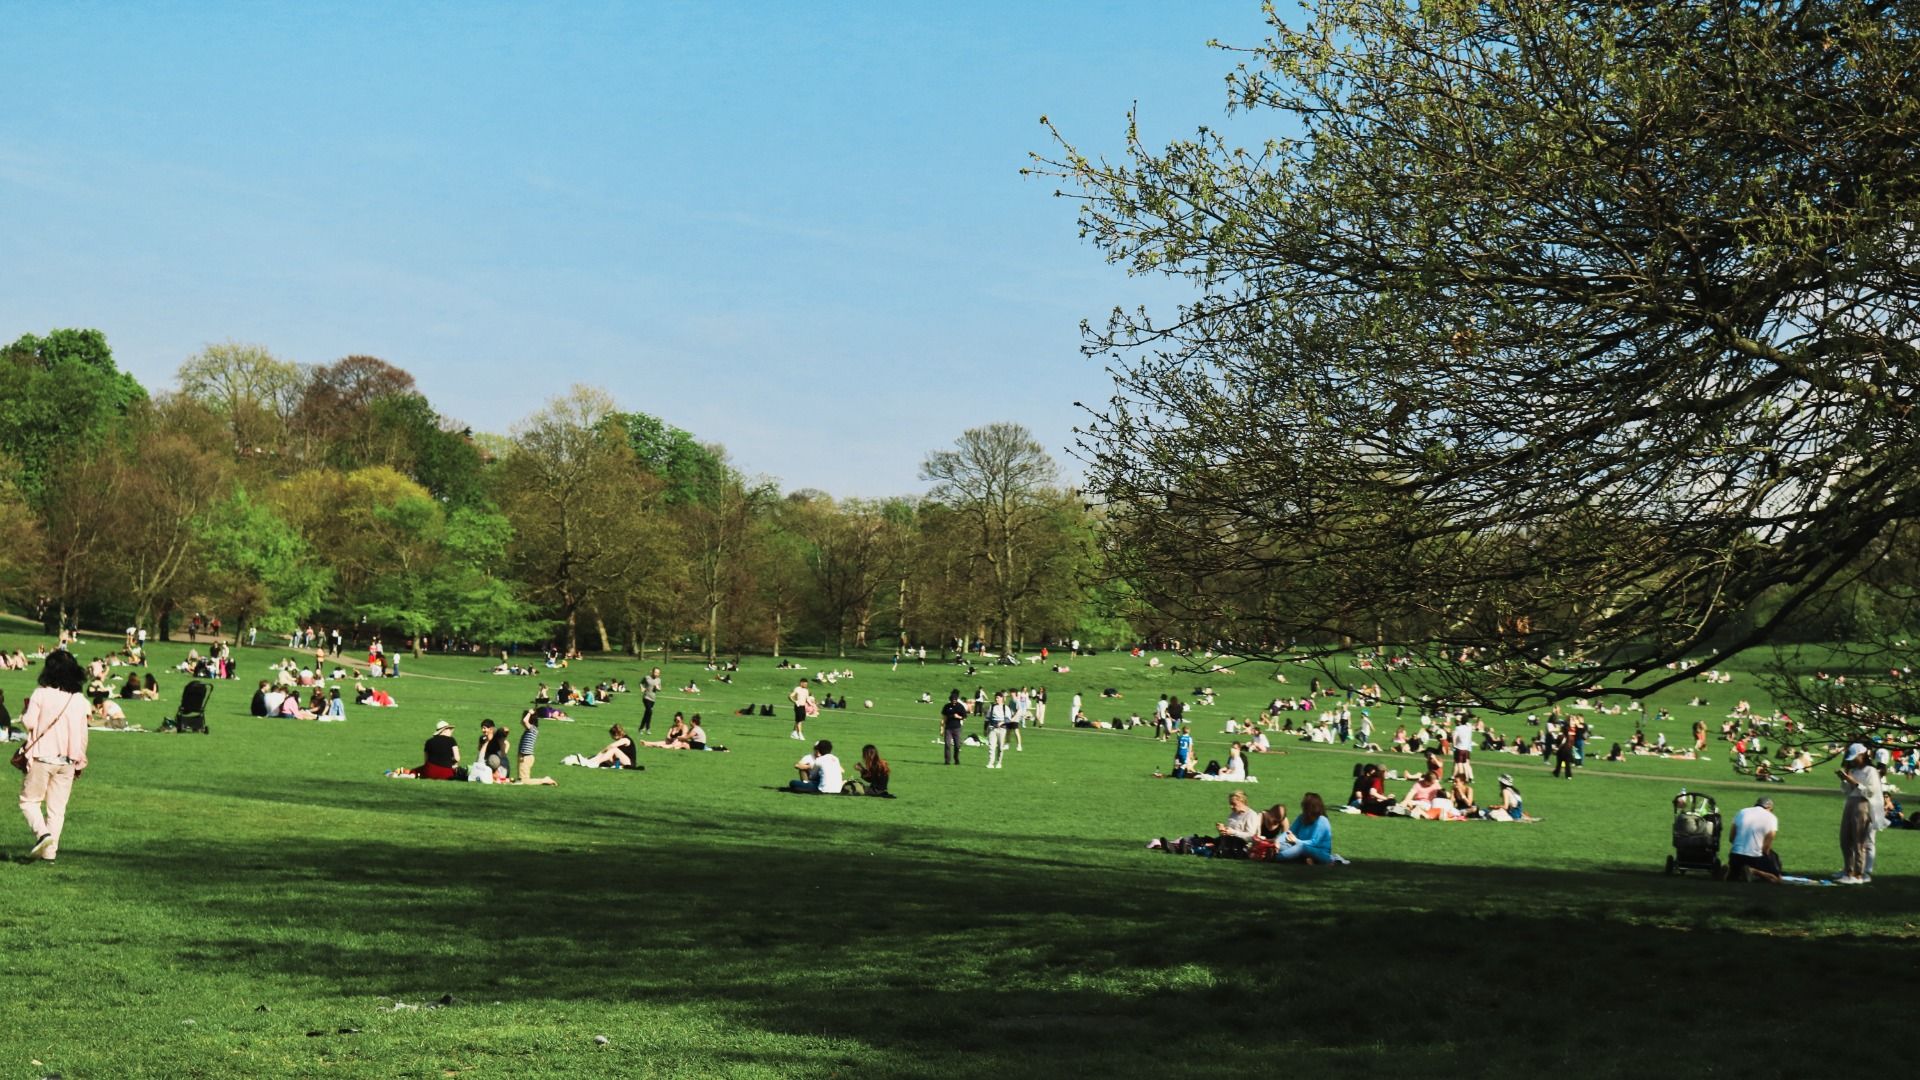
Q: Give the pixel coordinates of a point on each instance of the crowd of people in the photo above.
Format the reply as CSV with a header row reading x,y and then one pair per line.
x,y
71,699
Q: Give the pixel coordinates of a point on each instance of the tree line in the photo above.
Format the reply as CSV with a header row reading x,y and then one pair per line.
x,y
276,494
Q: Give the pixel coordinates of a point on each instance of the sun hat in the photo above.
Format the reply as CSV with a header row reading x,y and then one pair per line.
x,y
443,726
1854,750
1506,779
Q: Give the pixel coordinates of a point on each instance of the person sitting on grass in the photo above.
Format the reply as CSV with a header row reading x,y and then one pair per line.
x,y
820,772
130,690
1370,791
106,713
874,771
1309,839
1460,793
618,754
676,735
1419,798
1231,838
1234,770
697,737
1512,807
442,754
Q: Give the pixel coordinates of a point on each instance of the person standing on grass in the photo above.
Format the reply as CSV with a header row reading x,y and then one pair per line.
x,y
953,722
54,724
1463,749
1563,760
1863,814
529,738
803,706
649,690
1040,707
999,719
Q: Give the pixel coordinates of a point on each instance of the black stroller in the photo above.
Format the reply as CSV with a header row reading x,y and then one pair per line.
x,y
1696,833
192,715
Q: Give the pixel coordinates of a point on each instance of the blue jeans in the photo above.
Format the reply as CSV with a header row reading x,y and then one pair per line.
x,y
812,787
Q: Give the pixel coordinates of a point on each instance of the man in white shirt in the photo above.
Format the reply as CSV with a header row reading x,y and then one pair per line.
x,y
999,719
820,772
1463,749
1752,855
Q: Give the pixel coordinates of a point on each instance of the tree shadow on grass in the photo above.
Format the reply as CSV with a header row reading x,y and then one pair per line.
x,y
1036,962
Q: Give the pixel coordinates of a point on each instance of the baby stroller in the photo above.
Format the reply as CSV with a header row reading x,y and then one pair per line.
x,y
192,715
1696,833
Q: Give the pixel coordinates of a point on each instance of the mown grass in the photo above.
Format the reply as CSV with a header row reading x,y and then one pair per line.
x,y
263,902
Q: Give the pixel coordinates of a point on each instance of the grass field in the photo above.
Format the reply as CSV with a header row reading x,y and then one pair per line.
x,y
263,902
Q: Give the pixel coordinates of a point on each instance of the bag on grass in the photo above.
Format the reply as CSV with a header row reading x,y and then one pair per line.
x,y
1262,850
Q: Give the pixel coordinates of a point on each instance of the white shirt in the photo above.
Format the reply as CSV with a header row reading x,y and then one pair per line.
x,y
1751,827
1463,737
831,776
272,700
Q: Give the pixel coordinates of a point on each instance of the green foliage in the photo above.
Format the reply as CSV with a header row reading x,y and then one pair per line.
x,y
263,567
692,472
443,461
59,396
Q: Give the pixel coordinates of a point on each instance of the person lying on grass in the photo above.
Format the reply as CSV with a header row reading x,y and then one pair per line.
x,y
374,696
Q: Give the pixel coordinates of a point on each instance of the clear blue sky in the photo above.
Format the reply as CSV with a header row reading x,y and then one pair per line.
x,y
798,230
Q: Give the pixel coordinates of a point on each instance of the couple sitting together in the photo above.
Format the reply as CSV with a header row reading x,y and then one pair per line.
x,y
822,774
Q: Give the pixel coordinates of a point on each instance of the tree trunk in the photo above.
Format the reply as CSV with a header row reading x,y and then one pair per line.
x,y
713,631
573,627
600,625
776,634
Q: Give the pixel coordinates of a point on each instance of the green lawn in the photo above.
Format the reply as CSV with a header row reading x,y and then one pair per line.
x,y
263,902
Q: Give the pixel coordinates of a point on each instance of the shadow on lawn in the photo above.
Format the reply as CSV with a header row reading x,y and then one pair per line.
x,y
1038,962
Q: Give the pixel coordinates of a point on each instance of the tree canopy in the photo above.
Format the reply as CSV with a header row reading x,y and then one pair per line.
x,y
1543,340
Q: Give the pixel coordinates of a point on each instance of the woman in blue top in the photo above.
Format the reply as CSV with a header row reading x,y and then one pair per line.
x,y
1310,840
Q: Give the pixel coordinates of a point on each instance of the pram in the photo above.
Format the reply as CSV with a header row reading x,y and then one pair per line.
x,y
192,714
1696,833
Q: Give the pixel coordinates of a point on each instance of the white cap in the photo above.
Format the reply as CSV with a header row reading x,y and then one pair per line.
x,y
1855,750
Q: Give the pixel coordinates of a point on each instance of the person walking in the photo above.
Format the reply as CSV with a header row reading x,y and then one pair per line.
x,y
649,690
999,719
1563,753
803,706
953,722
55,726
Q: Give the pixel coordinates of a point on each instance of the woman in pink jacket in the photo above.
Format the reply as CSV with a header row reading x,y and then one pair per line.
x,y
55,722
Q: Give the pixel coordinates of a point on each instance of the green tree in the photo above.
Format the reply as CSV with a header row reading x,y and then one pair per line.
x,y
690,471
1534,328
59,397
999,480
261,571
471,592
254,391
585,517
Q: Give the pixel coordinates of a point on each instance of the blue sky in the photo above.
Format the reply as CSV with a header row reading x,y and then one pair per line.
x,y
798,230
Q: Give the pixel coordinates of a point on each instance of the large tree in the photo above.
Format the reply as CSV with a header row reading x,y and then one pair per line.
x,y
1542,339
255,392
587,527
999,480
60,396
